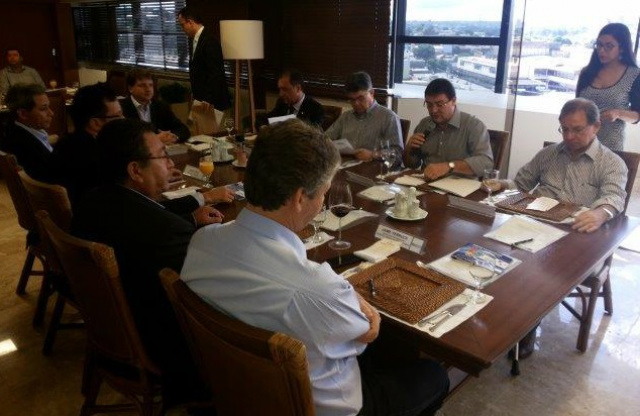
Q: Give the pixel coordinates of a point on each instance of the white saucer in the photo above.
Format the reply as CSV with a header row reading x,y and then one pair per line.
x,y
423,215
236,164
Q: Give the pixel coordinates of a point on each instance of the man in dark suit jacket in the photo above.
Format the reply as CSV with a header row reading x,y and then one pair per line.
x,y
293,100
75,156
26,137
146,237
141,105
206,66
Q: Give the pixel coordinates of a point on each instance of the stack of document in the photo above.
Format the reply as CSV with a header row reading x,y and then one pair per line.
x,y
458,186
352,218
526,233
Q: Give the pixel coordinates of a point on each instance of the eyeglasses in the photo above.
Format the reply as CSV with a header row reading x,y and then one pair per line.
x,y
606,46
165,156
574,130
439,104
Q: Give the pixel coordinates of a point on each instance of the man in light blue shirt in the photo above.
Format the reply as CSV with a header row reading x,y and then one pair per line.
x,y
367,123
256,270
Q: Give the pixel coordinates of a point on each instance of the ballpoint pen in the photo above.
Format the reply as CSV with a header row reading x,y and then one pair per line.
x,y
517,243
372,288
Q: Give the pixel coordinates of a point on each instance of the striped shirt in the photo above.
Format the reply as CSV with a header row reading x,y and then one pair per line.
x,y
596,177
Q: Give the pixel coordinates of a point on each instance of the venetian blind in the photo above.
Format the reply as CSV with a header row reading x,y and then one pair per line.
x,y
134,32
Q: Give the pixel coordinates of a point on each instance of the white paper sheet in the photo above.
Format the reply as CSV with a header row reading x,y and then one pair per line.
x,y
279,119
355,216
459,270
191,190
457,186
542,204
520,228
344,146
409,181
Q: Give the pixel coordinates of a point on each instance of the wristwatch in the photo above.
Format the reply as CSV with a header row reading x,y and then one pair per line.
x,y
452,166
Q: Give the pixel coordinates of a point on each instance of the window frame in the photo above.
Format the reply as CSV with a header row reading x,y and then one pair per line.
x,y
399,39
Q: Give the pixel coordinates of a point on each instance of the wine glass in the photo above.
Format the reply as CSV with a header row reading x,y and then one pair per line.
x,y
482,271
317,222
490,182
206,166
341,203
229,125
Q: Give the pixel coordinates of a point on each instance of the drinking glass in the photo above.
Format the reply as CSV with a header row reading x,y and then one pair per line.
x,y
229,124
482,271
490,182
317,222
206,166
340,203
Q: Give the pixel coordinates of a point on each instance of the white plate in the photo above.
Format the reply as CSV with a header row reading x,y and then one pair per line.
x,y
236,164
423,215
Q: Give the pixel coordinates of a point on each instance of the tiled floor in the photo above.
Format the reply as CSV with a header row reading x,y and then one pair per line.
x,y
556,380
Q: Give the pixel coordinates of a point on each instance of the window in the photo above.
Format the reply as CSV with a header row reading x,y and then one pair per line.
x,y
487,46
144,33
464,41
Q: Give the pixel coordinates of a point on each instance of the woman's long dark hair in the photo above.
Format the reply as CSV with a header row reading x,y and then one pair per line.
x,y
622,35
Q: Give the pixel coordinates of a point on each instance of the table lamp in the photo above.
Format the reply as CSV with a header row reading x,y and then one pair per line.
x,y
242,40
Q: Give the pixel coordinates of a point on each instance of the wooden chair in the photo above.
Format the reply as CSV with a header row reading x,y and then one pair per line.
x,y
54,200
599,284
499,143
10,168
331,114
115,354
250,370
405,125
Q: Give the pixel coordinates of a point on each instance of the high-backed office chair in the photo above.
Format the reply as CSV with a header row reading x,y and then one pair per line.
x,y
331,114
599,284
115,354
405,125
10,168
499,142
117,81
54,200
250,370
57,103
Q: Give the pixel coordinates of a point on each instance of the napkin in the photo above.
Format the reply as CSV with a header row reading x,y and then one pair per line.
x,y
380,250
308,244
191,190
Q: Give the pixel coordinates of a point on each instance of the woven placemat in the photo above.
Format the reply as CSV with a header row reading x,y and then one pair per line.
x,y
405,290
518,203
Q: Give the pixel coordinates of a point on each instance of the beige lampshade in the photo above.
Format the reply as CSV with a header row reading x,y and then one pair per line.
x,y
241,39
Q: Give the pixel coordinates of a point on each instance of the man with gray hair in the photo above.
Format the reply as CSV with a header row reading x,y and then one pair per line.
x,y
368,122
299,297
27,137
579,169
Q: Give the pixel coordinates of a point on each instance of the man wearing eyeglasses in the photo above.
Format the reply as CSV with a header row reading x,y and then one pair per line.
x,y
146,236
449,140
367,123
75,155
579,169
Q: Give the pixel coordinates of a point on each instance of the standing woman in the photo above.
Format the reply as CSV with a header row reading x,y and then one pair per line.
x,y
612,81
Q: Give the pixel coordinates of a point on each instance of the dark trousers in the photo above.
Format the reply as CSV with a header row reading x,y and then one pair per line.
x,y
409,387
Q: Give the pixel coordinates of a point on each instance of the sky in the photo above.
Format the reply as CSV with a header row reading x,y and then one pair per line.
x,y
540,13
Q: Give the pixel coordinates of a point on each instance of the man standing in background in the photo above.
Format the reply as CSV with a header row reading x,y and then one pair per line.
x,y
206,65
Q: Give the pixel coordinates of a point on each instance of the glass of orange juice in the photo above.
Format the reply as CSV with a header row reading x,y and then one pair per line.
x,y
206,167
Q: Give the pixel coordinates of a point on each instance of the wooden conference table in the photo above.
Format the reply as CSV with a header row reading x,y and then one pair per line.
x,y
521,298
